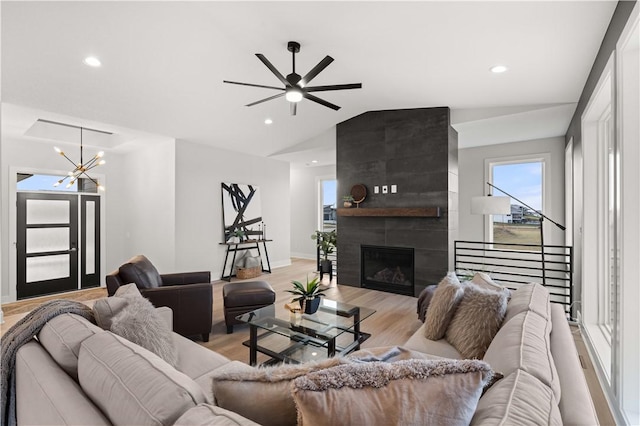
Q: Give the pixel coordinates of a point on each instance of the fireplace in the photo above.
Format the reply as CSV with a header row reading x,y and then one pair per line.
x,y
387,269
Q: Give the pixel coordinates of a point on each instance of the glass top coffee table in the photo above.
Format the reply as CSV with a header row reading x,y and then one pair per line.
x,y
297,337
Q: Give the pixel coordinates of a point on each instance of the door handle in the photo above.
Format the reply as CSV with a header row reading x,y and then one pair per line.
x,y
73,249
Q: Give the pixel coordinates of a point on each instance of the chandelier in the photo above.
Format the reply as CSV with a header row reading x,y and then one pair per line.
x,y
81,168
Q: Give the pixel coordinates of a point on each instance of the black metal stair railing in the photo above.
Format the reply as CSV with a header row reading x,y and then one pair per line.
x,y
515,265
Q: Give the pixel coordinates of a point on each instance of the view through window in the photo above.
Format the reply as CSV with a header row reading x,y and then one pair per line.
x,y
328,197
523,180
37,182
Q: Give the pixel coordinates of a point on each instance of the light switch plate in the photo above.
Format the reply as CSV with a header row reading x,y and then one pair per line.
x,y
385,189
376,189
394,189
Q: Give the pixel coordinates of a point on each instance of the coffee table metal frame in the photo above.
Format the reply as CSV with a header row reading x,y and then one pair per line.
x,y
305,330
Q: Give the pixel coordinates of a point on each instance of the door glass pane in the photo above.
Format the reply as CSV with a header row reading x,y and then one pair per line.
x,y
47,211
47,239
90,228
47,267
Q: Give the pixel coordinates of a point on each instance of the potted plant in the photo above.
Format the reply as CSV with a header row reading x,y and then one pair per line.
x,y
238,235
347,200
326,242
308,295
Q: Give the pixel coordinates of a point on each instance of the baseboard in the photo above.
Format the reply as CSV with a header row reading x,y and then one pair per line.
x,y
306,256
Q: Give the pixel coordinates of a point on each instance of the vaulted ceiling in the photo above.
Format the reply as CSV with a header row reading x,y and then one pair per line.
x,y
163,64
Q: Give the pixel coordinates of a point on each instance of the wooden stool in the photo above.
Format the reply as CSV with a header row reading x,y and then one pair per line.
x,y
242,297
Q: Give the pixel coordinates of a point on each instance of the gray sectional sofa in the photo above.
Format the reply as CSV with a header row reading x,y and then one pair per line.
x,y
78,373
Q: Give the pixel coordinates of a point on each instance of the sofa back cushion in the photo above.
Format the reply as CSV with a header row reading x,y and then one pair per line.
x,y
62,336
530,297
131,385
518,399
140,270
207,414
524,343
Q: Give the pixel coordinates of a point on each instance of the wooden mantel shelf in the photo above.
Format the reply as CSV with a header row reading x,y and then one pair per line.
x,y
391,212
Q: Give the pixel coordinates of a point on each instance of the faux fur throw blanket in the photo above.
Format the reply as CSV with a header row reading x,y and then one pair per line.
x,y
21,333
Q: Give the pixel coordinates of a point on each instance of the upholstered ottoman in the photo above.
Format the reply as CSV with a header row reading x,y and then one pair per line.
x,y
242,297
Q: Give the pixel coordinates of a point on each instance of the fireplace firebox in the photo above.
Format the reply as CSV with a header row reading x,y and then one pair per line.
x,y
388,269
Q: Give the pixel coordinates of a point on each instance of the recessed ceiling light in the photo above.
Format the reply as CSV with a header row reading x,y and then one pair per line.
x,y
314,161
92,61
498,69
268,121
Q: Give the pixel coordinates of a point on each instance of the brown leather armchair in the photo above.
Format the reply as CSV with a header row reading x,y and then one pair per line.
x,y
189,294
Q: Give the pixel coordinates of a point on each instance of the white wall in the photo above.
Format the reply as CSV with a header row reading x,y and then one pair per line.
x,y
200,170
471,166
148,211
305,207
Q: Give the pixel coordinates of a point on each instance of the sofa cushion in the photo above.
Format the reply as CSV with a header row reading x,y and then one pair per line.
x,y
530,297
207,414
263,394
476,320
140,270
62,336
403,392
198,362
131,385
442,307
419,342
518,399
47,395
524,343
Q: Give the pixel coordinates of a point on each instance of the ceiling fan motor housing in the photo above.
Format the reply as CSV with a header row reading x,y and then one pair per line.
x,y
293,46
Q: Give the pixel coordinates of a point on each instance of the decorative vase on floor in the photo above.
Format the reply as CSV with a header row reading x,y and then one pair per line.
x,y
310,306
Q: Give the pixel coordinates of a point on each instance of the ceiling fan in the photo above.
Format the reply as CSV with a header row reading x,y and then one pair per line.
x,y
295,87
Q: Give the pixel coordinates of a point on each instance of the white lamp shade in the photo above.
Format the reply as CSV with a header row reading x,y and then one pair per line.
x,y
491,205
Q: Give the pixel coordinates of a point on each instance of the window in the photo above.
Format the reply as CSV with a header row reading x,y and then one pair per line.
x,y
328,196
37,182
522,179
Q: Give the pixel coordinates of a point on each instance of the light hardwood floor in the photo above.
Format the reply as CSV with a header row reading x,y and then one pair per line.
x,y
393,323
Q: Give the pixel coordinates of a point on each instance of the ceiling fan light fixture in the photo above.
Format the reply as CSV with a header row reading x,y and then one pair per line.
x,y
293,94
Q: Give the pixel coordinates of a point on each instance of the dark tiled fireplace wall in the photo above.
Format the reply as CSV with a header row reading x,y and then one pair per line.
x,y
417,150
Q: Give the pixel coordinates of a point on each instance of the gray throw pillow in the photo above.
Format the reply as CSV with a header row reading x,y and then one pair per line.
x,y
133,317
477,320
139,323
407,392
442,307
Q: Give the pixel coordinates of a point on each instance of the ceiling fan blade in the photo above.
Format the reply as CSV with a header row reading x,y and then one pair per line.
x,y
316,70
333,87
253,85
273,69
266,99
321,101
293,107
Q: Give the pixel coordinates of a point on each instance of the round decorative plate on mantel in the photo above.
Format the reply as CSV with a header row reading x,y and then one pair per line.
x,y
359,193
